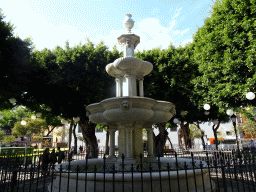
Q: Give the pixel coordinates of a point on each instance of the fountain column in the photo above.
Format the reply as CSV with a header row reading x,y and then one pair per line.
x,y
150,142
128,142
118,87
129,85
121,140
137,142
112,143
141,87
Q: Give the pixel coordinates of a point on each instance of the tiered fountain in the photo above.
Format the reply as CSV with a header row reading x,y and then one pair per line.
x,y
127,112
130,113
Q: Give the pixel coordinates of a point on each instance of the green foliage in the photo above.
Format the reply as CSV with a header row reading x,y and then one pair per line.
x,y
224,49
67,79
37,138
248,124
195,132
63,132
80,138
1,135
9,139
102,127
12,116
33,127
172,80
14,57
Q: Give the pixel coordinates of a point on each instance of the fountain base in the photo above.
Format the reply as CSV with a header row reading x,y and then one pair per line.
x,y
95,180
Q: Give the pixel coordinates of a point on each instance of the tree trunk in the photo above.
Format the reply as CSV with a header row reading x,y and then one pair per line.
x,y
75,138
70,134
106,143
215,129
160,140
202,138
216,138
49,132
202,135
186,132
88,131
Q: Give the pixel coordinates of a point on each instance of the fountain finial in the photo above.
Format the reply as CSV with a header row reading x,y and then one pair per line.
x,y
128,22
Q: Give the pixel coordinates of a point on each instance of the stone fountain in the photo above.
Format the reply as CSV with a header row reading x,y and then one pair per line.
x,y
129,113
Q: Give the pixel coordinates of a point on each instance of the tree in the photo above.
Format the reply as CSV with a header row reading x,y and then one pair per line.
x,y
32,128
248,123
172,79
197,132
1,135
14,59
69,79
224,49
249,126
17,113
9,139
11,116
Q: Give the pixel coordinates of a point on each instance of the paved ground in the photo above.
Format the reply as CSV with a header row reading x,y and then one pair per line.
x,y
37,185
232,184
41,185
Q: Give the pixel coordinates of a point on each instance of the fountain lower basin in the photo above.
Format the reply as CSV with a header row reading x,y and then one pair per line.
x,y
198,179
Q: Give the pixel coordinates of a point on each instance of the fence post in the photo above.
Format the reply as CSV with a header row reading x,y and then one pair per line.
x,y
122,172
104,171
141,172
177,169
223,175
14,179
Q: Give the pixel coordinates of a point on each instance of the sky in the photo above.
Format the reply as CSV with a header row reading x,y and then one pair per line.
x,y
158,22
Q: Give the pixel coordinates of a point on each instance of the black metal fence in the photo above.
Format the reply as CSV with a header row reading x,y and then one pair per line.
x,y
222,170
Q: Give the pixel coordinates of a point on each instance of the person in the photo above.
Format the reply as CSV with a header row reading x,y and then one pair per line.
x,y
60,155
70,155
53,157
45,160
252,145
81,149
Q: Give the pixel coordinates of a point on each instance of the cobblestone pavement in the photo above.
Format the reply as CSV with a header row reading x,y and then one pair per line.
x,y
41,184
233,185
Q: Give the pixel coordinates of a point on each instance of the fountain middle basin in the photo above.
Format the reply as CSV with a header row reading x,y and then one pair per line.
x,y
130,109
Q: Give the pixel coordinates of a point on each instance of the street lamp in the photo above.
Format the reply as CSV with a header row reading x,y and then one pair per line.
x,y
250,95
230,112
76,119
175,120
63,121
207,107
215,122
23,122
13,101
182,113
206,112
233,118
39,115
